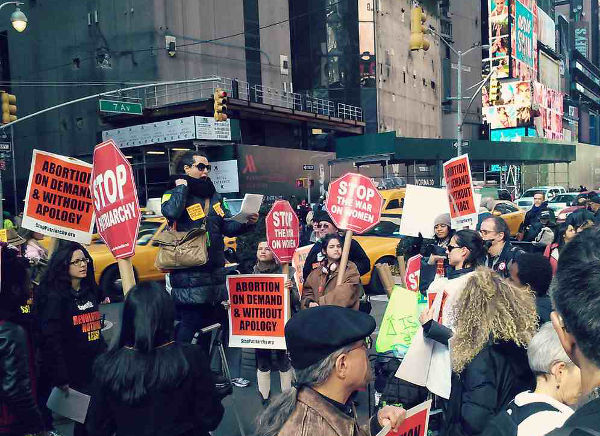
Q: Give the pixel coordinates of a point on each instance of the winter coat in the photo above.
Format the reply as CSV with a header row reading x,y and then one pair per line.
x,y
428,272
357,255
531,217
294,294
192,408
485,386
315,415
345,295
586,416
19,413
206,283
544,308
70,324
501,263
427,362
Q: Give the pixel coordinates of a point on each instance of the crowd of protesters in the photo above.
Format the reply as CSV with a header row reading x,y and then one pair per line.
x,y
512,337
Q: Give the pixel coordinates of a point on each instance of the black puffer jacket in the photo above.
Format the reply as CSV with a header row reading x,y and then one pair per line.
x,y
501,263
204,284
18,411
487,384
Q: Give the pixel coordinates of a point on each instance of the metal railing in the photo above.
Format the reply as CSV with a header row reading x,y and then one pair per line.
x,y
165,95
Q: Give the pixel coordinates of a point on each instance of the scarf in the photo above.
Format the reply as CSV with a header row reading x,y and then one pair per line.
x,y
267,267
202,188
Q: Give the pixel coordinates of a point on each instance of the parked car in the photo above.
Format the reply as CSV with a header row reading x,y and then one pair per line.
x,y
525,201
562,201
564,213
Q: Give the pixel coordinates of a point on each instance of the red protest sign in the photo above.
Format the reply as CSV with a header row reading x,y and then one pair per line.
x,y
258,311
459,184
413,273
283,230
354,203
115,200
298,262
415,423
58,202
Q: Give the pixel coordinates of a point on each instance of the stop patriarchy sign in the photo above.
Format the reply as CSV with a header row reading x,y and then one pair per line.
x,y
283,231
115,200
354,203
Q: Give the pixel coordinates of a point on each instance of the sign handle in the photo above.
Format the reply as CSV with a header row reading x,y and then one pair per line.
x,y
126,271
344,259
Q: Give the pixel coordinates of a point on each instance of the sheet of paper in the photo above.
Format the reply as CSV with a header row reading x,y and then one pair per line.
x,y
73,406
251,204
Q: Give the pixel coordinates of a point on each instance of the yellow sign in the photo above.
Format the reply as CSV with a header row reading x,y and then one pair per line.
x,y
195,211
3,235
217,207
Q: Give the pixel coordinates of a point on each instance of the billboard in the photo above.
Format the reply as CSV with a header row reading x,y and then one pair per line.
x,y
523,30
511,135
581,37
550,103
512,108
549,71
546,29
499,35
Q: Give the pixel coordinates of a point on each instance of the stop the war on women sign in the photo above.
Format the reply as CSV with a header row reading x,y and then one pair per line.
x,y
258,310
58,202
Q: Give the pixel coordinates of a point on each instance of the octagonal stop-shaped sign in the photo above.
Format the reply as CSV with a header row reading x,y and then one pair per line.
x,y
354,203
283,230
115,200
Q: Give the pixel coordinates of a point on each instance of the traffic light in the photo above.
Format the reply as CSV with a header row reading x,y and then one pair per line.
x,y
304,182
494,90
9,107
418,29
220,105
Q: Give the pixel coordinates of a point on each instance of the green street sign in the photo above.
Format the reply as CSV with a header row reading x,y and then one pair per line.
x,y
120,107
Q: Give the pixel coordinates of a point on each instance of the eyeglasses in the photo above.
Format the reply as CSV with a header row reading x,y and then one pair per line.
x,y
322,226
367,343
486,232
452,247
80,262
202,167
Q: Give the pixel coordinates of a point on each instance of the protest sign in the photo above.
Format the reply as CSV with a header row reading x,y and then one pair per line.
x,y
413,273
3,235
283,230
461,198
259,309
58,202
416,422
298,261
400,322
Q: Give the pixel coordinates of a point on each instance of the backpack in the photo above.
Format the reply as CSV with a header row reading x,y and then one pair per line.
x,y
506,423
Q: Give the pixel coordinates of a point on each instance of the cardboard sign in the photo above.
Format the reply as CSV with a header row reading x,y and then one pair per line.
x,y
400,322
413,273
416,422
259,309
430,300
283,230
298,261
3,235
461,198
58,202
354,203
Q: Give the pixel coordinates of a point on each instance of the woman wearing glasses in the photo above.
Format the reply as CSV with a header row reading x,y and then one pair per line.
x,y
66,304
190,202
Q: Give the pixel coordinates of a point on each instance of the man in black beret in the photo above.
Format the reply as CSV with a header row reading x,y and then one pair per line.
x,y
329,353
324,226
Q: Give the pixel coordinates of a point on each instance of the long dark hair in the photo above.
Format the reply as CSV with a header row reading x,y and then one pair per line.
x,y
327,238
472,240
57,274
143,358
559,235
14,283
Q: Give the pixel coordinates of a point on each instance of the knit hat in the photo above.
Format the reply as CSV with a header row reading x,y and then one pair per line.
x,y
442,219
322,215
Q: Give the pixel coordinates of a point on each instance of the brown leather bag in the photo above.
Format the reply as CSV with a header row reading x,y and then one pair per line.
x,y
180,250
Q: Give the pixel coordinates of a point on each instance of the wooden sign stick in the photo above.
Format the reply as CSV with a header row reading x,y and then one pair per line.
x,y
344,259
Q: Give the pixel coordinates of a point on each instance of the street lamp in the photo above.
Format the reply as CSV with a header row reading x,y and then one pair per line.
x,y
18,18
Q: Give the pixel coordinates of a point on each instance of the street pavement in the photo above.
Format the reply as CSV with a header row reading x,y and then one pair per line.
x,y
246,402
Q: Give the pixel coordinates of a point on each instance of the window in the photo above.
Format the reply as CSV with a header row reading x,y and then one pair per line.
x,y
504,208
393,204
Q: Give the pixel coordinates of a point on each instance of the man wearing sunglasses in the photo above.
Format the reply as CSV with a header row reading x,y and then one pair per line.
x,y
323,225
190,202
329,353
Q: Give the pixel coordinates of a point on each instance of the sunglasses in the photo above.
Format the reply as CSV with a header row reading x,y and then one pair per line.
x,y
452,247
202,167
322,226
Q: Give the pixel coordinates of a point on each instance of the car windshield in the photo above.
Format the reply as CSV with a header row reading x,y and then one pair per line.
x,y
563,198
531,192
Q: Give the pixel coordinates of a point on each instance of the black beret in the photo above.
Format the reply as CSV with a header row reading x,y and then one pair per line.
x,y
313,334
322,215
594,197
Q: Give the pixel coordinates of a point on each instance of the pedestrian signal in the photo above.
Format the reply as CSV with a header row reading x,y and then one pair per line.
x,y
9,107
220,98
418,29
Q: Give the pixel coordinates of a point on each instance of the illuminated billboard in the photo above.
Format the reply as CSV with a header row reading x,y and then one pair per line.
x,y
550,103
523,30
512,106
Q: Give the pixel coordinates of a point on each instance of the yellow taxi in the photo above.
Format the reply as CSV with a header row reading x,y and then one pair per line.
x,y
393,202
511,213
106,270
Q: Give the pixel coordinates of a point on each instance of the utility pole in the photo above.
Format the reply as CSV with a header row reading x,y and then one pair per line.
x,y
459,105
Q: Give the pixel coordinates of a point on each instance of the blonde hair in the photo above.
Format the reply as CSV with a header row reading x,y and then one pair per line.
x,y
490,308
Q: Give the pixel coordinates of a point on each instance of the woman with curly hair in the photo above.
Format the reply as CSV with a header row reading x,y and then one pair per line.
x,y
494,323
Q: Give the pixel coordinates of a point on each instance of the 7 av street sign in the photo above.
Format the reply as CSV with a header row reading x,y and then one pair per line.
x,y
120,107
